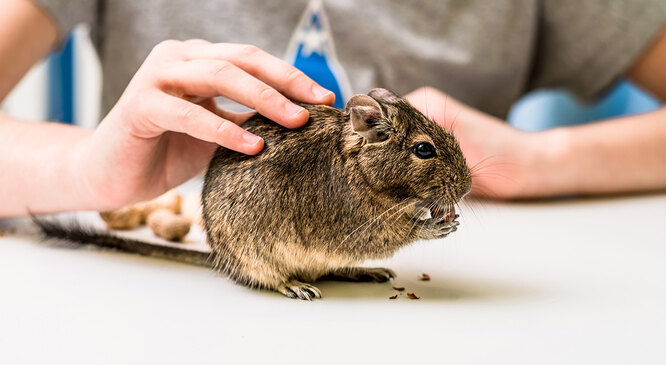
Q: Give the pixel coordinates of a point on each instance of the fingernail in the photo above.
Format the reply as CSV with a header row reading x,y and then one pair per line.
x,y
293,109
251,139
320,93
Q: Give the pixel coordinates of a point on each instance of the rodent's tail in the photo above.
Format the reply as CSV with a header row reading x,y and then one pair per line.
x,y
75,233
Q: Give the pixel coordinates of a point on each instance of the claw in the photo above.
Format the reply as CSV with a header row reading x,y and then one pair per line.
x,y
447,230
295,289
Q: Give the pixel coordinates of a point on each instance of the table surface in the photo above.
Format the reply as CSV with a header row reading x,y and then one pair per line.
x,y
578,281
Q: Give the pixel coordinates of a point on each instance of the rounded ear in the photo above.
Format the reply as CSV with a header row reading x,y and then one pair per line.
x,y
383,95
367,118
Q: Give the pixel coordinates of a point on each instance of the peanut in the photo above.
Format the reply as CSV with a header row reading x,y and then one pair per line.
x,y
191,208
170,200
168,225
123,218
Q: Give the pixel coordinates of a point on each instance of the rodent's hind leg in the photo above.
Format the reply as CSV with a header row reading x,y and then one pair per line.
x,y
298,290
363,274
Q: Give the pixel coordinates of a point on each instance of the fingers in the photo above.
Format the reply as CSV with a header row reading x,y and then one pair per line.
x,y
237,118
193,72
182,116
210,78
211,105
284,77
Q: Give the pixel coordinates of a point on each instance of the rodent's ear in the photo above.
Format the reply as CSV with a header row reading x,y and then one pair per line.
x,y
383,96
367,118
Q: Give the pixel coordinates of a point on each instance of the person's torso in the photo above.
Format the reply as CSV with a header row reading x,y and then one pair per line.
x,y
478,51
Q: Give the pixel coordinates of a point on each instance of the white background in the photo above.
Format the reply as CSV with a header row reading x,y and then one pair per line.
x,y
571,282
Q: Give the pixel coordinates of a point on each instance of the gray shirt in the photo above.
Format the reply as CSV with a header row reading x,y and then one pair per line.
x,y
482,52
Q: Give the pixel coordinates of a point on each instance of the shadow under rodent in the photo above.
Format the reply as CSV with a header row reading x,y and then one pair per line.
x,y
351,185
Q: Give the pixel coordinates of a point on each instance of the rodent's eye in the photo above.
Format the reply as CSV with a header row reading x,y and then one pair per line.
x,y
424,150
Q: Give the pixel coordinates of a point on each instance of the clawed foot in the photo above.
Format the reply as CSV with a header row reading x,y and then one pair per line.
x,y
298,290
366,274
443,228
438,228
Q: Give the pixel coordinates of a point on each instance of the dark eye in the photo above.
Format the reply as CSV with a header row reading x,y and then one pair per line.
x,y
424,150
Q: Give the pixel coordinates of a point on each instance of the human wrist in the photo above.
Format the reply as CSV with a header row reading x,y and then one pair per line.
x,y
79,166
551,164
51,179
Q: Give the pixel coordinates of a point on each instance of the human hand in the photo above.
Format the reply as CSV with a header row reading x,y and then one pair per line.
x,y
166,126
505,161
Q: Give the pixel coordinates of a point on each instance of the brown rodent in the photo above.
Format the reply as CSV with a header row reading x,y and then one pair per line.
x,y
349,186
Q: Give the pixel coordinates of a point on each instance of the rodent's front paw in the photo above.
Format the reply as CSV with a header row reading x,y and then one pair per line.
x,y
438,227
298,290
443,229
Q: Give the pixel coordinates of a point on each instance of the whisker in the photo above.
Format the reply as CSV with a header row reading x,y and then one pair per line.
x,y
473,204
425,91
455,119
469,207
399,213
484,192
495,164
495,175
446,100
416,221
476,165
371,221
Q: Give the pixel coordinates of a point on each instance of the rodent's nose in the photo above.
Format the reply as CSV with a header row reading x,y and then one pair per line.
x,y
465,188
463,192
456,192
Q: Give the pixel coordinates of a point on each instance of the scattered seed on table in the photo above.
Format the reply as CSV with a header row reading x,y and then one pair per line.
x,y
393,296
412,296
398,288
424,277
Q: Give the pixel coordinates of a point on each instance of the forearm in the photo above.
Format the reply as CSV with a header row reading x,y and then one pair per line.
x,y
40,171
26,36
626,154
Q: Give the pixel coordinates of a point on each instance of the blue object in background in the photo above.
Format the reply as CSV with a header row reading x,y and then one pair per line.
x,y
316,67
548,109
311,50
60,89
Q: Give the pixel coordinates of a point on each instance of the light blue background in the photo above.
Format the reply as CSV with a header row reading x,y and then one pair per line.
x,y
551,108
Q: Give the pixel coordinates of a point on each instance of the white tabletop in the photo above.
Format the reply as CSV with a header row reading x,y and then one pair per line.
x,y
530,283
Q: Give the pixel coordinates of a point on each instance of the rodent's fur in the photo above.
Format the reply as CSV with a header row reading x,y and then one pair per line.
x,y
76,234
323,198
319,200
